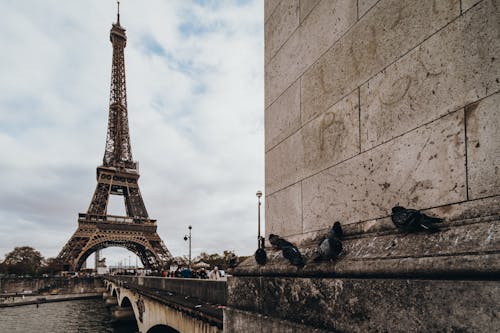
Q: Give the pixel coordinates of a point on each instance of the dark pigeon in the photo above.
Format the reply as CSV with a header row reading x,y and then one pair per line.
x,y
289,250
261,256
330,247
411,220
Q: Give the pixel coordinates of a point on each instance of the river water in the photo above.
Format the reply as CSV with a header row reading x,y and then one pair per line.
x,y
80,316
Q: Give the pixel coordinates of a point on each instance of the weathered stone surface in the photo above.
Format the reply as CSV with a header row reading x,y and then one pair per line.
x,y
285,163
443,74
248,300
379,305
269,7
483,147
306,6
467,4
329,139
364,6
282,118
423,168
236,321
333,136
282,22
389,30
326,23
241,321
284,211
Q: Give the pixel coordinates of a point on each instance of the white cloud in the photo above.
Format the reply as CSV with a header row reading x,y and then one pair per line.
x,y
195,97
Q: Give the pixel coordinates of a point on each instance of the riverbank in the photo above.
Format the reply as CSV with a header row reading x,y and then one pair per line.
x,y
40,299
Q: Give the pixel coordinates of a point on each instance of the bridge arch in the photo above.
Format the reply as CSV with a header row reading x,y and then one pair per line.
x,y
138,245
126,303
162,329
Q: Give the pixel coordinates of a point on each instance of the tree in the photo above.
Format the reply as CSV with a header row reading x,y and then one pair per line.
x,y
23,260
52,266
215,259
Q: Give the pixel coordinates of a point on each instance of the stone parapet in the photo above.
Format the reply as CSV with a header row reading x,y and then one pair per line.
x,y
361,305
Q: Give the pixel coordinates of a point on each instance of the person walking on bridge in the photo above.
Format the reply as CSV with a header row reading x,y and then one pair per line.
x,y
215,274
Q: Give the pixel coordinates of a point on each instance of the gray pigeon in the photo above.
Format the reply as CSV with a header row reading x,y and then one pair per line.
x,y
411,220
290,251
330,247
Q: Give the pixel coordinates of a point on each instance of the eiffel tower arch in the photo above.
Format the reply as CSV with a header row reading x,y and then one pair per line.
x,y
118,175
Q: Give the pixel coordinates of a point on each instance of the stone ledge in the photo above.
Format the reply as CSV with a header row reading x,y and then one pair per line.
x,y
468,212
467,246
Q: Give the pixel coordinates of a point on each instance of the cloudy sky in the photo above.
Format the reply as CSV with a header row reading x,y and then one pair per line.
x,y
195,100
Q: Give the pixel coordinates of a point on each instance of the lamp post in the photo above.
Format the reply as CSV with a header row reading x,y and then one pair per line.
x,y
260,254
186,237
260,242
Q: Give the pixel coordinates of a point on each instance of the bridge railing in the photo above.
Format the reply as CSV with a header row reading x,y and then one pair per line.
x,y
211,291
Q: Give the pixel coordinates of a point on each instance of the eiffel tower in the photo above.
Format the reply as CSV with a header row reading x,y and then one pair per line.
x,y
118,175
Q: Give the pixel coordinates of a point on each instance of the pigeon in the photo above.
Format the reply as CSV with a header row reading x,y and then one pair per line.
x,y
411,220
261,256
330,247
289,250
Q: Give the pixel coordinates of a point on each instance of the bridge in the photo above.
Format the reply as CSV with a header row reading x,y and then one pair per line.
x,y
167,304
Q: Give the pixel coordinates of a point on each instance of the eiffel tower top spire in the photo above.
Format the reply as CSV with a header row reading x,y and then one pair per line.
x,y
118,13
118,152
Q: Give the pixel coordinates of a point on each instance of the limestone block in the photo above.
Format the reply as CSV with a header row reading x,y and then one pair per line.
x,y
326,23
483,147
282,118
383,305
306,6
364,6
269,7
443,74
424,168
467,4
284,163
389,30
282,22
237,321
284,211
247,300
333,136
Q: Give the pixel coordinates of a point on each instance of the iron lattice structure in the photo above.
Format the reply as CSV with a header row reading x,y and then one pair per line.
x,y
117,176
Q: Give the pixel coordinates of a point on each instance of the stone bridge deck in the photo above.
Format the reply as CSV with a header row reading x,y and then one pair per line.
x,y
196,300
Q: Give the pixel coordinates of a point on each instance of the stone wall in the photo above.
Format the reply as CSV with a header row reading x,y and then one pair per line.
x,y
369,104
60,285
378,103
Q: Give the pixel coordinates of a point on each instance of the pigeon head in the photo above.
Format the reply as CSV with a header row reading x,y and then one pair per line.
x,y
397,209
337,230
273,239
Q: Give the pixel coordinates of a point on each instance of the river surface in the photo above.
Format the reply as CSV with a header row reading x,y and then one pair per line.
x,y
79,316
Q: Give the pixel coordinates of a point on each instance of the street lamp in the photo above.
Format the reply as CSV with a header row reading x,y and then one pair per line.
x,y
260,254
260,241
186,237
